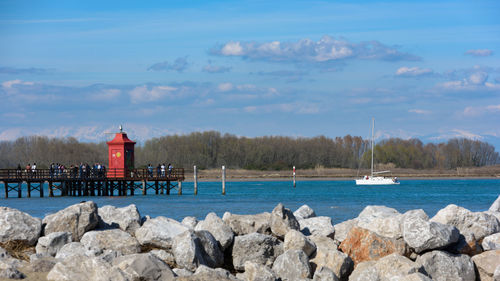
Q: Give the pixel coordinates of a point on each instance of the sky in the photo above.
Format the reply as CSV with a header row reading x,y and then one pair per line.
x,y
422,69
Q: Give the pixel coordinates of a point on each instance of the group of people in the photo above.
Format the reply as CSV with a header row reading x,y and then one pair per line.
x,y
161,170
83,170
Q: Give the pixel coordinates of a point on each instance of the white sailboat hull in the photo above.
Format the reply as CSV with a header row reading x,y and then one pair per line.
x,y
376,181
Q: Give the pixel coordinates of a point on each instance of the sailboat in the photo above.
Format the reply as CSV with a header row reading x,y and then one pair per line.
x,y
373,179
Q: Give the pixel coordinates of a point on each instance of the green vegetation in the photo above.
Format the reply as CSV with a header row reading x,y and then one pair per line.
x,y
211,150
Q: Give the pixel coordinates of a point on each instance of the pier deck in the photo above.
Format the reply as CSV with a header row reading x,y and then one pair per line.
x,y
74,182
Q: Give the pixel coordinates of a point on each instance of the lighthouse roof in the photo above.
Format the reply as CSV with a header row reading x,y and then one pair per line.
x,y
120,138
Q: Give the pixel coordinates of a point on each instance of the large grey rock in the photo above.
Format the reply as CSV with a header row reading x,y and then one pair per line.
x,y
295,240
495,207
194,248
423,235
381,220
390,267
343,228
491,242
441,265
165,256
204,273
19,226
256,247
77,219
318,226
324,274
292,265
182,272
113,239
43,264
159,232
304,212
283,220
246,224
259,272
327,255
11,273
486,263
80,267
468,223
127,218
73,249
190,222
51,243
216,226
147,267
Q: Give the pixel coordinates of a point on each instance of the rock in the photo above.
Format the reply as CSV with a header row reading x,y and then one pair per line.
x,y
491,242
283,220
295,240
255,247
422,235
192,249
190,222
113,239
495,207
19,226
477,223
246,224
343,228
391,267
159,232
496,274
292,265
182,272
44,264
486,263
80,267
384,221
325,274
165,256
319,226
216,226
259,272
328,256
441,265
204,273
363,245
304,212
72,249
77,219
11,273
144,267
365,271
53,242
372,212
3,253
127,218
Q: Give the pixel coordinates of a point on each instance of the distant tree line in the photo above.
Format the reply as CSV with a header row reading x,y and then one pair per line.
x,y
212,149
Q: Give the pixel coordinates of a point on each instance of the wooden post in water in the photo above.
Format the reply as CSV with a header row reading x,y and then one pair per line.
x,y
195,178
143,187
294,184
29,189
223,180
179,187
6,184
19,194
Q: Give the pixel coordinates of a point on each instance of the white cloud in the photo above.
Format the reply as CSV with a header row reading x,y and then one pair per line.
x,y
232,49
11,83
479,52
224,87
419,111
144,94
481,110
475,81
413,71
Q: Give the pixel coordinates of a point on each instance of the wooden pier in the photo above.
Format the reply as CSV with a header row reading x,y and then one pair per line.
x,y
74,182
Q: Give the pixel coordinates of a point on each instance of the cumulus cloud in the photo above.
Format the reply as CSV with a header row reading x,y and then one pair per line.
x,y
148,94
30,70
413,72
479,53
179,65
327,49
473,81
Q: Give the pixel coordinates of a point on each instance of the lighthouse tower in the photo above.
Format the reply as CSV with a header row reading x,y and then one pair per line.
x,y
120,155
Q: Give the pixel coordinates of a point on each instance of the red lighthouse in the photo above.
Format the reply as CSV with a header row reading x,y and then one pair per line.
x,y
120,155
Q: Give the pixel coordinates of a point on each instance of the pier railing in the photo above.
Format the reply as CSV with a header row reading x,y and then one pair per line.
x,y
16,175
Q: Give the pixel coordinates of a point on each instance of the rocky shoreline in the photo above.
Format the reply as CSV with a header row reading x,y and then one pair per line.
x,y
84,242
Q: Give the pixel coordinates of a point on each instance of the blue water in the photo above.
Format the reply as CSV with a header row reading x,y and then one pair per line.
x,y
340,200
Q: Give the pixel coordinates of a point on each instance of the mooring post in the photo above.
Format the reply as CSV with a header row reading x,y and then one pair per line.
x,y
195,178
294,176
179,187
223,180
143,187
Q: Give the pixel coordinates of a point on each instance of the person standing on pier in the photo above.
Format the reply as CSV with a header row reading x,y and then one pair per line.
x,y
163,169
33,169
150,170
170,168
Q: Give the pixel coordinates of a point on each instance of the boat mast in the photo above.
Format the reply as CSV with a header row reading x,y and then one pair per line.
x,y
373,125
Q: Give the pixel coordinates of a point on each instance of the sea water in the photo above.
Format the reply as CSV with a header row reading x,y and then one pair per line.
x,y
340,200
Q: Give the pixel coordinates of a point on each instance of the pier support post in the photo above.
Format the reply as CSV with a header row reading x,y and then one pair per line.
x,y
106,188
51,191
6,184
168,187
294,184
144,191
156,187
29,189
195,180
179,187
19,190
41,189
131,185
223,180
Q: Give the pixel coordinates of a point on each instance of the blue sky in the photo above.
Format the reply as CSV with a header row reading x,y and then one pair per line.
x,y
425,69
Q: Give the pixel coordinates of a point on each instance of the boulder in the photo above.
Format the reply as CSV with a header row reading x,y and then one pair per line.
x,y
386,222
343,228
77,219
72,249
282,220
127,218
19,226
44,264
292,265
295,240
194,248
363,245
319,226
328,256
216,226
165,256
441,265
325,274
486,263
204,273
144,267
182,272
259,272
211,250
11,273
372,212
496,274
422,235
80,267
390,267
495,207
190,222
53,242
304,212
246,224
255,247
491,242
113,239
159,232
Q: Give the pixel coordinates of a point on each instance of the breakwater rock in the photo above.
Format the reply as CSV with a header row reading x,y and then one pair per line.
x,y
84,242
